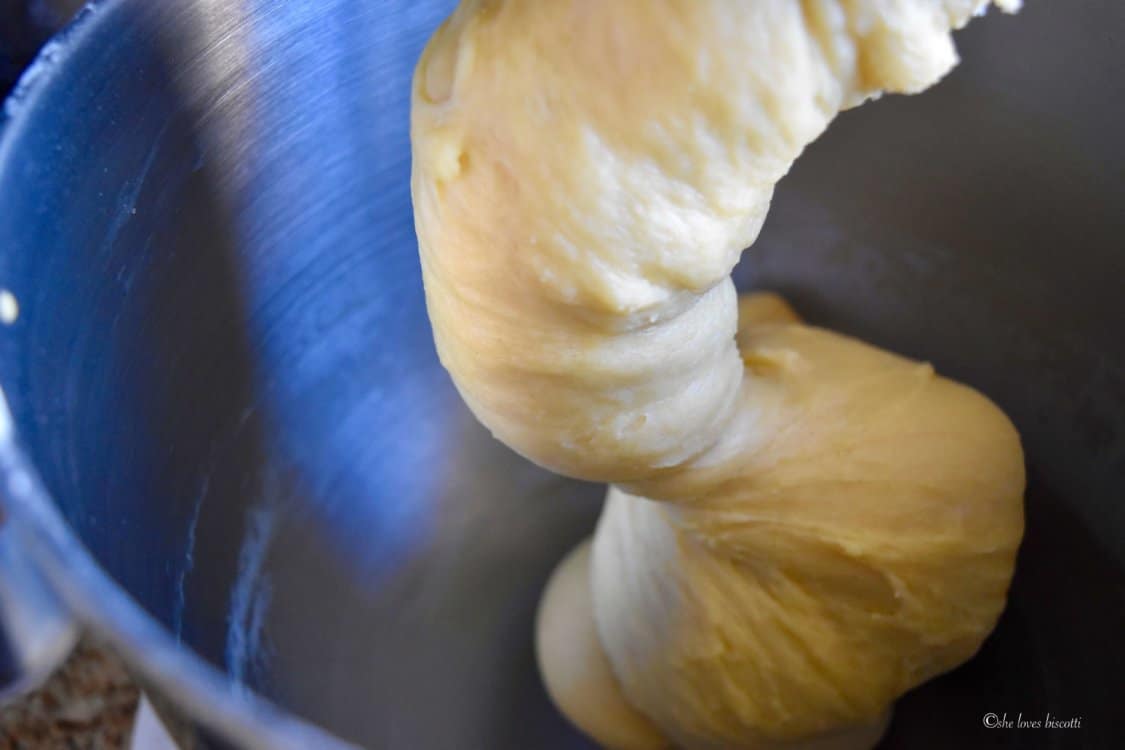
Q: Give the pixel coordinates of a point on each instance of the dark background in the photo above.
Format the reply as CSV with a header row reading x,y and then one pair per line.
x,y
24,26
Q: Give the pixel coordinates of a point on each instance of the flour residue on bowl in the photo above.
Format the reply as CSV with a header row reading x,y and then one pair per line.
x,y
180,605
250,596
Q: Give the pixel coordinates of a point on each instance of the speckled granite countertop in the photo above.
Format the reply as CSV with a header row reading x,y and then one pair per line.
x,y
88,704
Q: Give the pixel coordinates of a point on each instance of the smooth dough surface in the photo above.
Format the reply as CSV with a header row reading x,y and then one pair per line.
x,y
802,526
575,670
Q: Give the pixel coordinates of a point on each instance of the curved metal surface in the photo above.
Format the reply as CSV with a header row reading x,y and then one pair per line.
x,y
223,374
37,631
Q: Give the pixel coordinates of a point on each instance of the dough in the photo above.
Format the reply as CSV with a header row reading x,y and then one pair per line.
x,y
802,527
575,670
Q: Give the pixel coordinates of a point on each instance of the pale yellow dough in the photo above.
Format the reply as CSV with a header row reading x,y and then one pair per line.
x,y
828,524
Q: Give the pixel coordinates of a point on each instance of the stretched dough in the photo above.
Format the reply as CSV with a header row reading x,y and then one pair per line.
x,y
802,527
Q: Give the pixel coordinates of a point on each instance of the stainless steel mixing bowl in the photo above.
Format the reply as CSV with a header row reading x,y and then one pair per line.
x,y
233,453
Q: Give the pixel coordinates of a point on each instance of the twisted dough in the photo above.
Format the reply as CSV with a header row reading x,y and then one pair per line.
x,y
827,524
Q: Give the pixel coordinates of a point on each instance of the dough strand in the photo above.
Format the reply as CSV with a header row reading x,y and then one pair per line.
x,y
800,527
